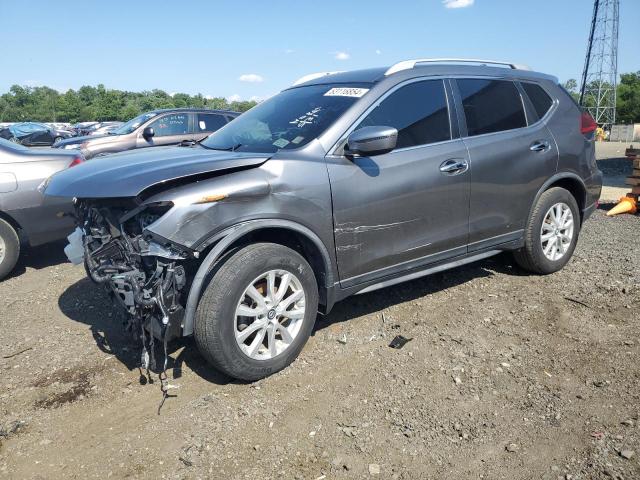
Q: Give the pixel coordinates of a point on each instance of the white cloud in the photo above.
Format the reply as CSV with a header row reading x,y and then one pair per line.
x,y
251,78
342,56
234,98
289,51
457,3
378,52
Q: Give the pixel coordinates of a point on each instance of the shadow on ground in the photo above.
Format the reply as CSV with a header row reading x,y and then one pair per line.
x,y
90,304
40,257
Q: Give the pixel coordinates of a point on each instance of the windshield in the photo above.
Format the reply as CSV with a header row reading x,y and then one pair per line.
x,y
288,120
134,123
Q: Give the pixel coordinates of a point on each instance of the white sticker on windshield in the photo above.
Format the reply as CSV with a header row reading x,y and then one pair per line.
x,y
297,140
346,92
281,142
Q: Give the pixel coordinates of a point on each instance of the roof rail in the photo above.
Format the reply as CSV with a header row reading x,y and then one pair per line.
x,y
312,76
409,64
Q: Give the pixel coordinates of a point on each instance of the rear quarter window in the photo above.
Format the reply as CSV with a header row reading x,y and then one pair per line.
x,y
539,98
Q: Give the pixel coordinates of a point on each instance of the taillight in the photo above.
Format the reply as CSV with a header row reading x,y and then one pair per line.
x,y
587,123
76,161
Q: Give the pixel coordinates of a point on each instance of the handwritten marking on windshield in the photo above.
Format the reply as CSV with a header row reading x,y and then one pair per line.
x,y
306,119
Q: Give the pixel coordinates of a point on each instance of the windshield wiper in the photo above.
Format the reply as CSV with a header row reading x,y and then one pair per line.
x,y
232,148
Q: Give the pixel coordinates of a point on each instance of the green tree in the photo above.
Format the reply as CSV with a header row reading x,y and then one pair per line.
x,y
628,99
45,104
571,85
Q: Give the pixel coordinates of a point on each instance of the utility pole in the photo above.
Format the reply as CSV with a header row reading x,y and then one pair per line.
x,y
600,73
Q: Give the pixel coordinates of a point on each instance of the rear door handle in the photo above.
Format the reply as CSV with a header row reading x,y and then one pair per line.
x,y
540,146
454,166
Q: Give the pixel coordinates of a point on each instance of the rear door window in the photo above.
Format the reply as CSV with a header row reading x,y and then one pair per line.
x,y
539,98
491,105
418,111
172,124
209,122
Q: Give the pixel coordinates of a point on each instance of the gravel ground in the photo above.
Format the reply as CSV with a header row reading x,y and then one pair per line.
x,y
507,376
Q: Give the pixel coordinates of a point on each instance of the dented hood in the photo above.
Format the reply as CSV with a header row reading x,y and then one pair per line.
x,y
127,174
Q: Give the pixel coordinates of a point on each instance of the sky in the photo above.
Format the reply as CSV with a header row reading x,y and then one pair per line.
x,y
245,49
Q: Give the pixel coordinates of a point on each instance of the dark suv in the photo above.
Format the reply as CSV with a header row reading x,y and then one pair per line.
x,y
152,129
342,184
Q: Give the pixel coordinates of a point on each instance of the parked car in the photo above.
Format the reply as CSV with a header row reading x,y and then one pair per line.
x,y
25,214
81,128
59,126
151,129
34,134
342,184
103,128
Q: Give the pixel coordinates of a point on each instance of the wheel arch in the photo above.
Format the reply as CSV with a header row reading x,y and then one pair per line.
x,y
284,232
570,182
11,221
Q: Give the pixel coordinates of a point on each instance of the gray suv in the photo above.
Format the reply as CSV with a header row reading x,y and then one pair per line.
x,y
152,129
342,184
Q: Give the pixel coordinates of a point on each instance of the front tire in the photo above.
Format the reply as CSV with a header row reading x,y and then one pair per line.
x,y
257,312
551,234
9,248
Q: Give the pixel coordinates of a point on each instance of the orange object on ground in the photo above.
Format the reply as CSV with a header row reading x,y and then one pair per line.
x,y
625,205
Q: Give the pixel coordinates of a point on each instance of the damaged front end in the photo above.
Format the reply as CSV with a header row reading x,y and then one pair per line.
x,y
144,274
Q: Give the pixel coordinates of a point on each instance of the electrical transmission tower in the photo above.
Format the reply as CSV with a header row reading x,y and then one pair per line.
x,y
600,74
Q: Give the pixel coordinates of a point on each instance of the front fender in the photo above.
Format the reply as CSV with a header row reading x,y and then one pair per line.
x,y
231,235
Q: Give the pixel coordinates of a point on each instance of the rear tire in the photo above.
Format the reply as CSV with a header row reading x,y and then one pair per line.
x,y
9,248
549,243
219,326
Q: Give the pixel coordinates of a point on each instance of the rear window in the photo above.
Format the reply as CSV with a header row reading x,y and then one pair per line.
x,y
491,105
539,98
210,122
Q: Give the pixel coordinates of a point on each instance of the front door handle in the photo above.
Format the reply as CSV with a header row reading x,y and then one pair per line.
x,y
454,166
540,146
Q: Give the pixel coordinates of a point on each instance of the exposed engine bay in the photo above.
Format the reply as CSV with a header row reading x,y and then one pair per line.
x,y
142,273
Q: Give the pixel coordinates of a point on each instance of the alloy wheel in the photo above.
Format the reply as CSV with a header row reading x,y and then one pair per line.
x,y
269,314
556,233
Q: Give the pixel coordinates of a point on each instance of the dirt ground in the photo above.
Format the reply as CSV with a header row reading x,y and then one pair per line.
x,y
507,376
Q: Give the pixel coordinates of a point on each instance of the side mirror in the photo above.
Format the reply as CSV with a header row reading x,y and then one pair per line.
x,y
147,133
370,141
